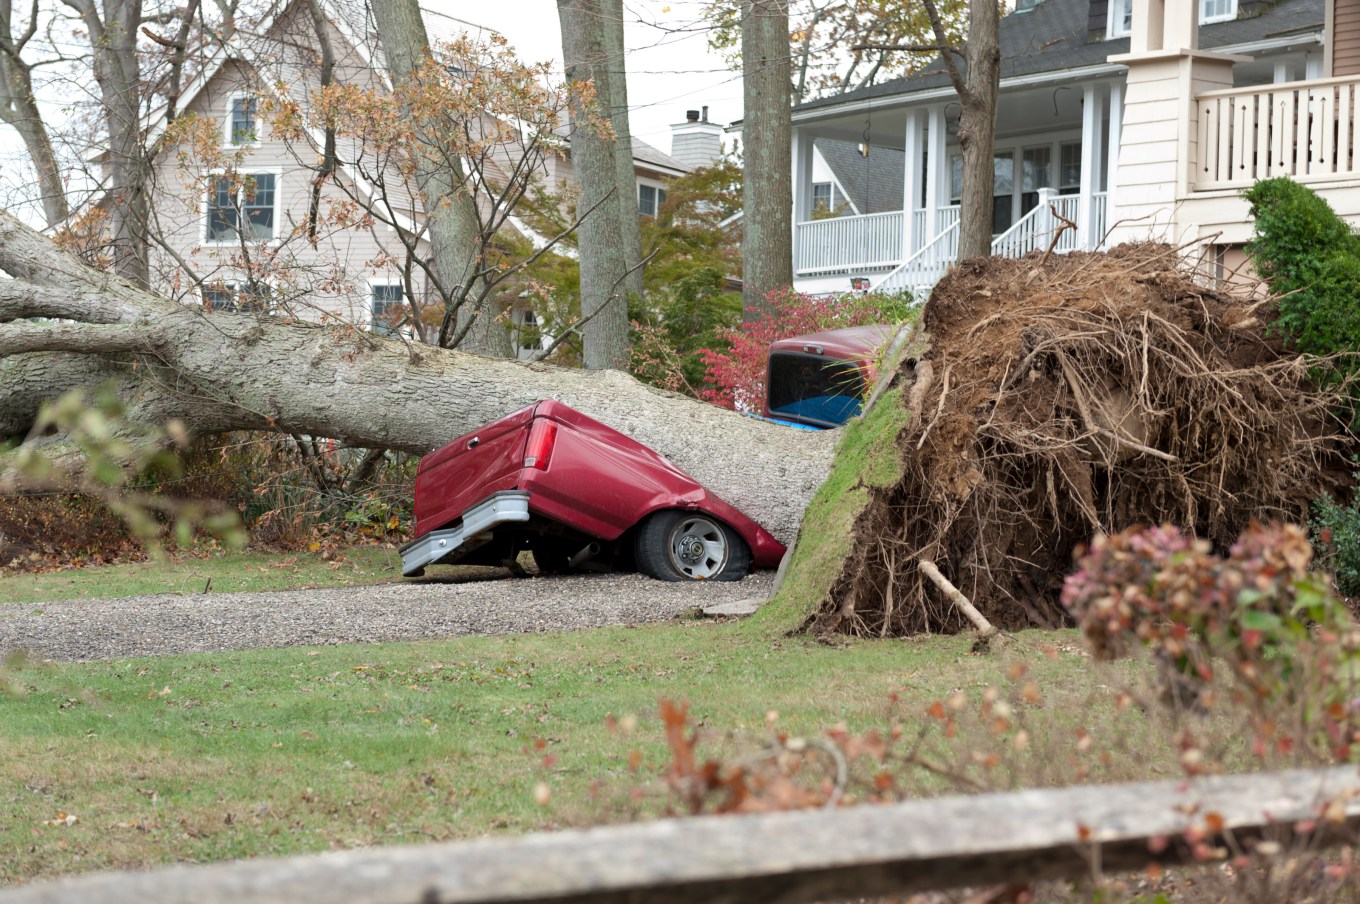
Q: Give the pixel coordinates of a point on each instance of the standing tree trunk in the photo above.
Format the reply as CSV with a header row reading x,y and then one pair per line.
x,y
767,184
593,148
450,213
977,118
117,72
626,179
220,372
19,109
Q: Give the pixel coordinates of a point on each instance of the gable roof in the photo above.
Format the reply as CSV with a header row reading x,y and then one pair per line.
x,y
1057,35
355,21
873,183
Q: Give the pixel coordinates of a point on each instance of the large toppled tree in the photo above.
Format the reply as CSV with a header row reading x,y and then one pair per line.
x,y
219,371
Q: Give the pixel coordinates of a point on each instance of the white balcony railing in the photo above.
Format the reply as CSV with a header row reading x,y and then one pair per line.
x,y
1304,130
840,244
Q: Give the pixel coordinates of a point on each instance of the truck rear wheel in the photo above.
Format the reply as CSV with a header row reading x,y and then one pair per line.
x,y
689,546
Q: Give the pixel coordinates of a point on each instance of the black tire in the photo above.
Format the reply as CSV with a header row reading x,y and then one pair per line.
x,y
690,546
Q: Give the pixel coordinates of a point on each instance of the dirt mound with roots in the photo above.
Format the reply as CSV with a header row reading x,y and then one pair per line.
x,y
1072,395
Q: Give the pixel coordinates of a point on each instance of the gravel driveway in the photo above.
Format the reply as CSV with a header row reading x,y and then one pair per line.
x,y
190,623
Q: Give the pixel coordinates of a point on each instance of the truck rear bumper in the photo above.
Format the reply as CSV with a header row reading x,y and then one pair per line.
x,y
499,508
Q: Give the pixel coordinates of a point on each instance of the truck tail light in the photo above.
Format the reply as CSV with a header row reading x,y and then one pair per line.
x,y
539,449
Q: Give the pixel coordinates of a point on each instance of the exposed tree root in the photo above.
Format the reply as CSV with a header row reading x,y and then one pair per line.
x,y
1082,393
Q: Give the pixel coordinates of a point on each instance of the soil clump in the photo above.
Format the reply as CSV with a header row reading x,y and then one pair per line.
x,y
1068,395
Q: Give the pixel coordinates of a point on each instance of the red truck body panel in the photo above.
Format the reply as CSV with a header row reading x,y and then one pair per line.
x,y
597,480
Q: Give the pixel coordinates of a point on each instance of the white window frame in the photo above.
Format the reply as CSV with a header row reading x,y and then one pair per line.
x,y
830,195
382,283
233,285
1115,25
521,326
1221,17
227,132
211,190
660,198
1116,28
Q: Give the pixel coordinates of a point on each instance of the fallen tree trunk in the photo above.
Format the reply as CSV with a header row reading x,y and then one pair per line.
x,y
219,372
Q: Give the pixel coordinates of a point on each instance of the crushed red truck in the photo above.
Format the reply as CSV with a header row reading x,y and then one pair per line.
x,y
568,489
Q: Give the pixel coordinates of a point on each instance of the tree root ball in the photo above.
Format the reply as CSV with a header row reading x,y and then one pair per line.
x,y
1086,393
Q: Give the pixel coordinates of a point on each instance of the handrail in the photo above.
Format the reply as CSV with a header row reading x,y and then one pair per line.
x,y
931,261
1021,227
1281,86
854,218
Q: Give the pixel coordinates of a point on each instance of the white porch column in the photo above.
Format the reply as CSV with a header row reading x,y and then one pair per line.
x,y
1281,73
937,170
802,192
1092,151
1112,154
802,176
912,147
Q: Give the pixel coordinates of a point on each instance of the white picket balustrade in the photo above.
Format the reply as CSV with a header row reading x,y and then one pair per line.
x,y
840,244
1304,130
919,273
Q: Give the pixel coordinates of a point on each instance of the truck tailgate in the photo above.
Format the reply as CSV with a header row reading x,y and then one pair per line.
x,y
467,470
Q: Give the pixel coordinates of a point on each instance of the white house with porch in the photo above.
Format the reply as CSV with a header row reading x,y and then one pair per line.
x,y
1128,117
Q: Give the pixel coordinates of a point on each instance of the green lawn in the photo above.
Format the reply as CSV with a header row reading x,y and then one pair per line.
x,y
270,752
207,757
227,572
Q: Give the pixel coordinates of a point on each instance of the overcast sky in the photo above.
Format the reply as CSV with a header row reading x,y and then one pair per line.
x,y
670,68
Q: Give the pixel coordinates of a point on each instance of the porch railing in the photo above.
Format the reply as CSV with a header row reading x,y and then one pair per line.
x,y
1304,130
840,244
920,272
1033,231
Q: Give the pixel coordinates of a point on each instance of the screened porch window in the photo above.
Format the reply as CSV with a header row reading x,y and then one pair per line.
x,y
1036,172
1069,168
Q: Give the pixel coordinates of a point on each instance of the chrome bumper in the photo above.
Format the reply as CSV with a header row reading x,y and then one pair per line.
x,y
499,508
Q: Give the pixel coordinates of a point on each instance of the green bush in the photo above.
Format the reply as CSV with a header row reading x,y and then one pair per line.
x,y
1335,532
1311,260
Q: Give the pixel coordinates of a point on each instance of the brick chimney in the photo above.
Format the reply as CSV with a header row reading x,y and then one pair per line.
x,y
696,142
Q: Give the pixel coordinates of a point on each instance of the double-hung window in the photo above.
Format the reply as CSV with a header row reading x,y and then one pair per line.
x,y
241,125
388,310
241,206
1217,11
821,196
650,199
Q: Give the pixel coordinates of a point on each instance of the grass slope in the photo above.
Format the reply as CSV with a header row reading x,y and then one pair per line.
x,y
867,457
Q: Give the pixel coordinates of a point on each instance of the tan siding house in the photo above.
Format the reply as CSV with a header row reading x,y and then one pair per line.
x,y
223,236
